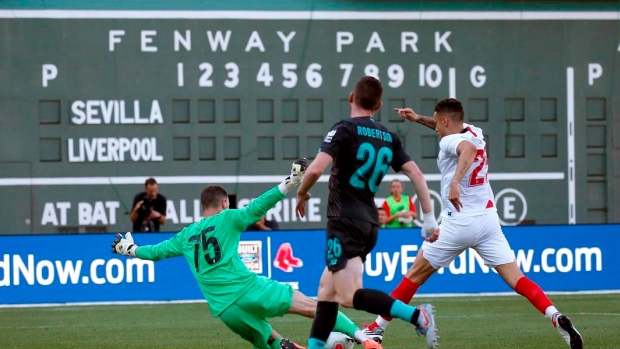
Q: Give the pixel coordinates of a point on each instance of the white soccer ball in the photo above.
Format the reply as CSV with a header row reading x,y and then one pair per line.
x,y
338,340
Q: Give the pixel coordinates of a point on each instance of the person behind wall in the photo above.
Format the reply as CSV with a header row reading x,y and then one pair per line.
x,y
382,217
149,208
399,208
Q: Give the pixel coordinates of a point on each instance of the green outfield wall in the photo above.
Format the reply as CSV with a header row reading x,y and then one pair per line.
x,y
95,100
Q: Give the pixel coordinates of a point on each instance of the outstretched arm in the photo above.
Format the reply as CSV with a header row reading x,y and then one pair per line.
x,y
411,115
256,209
165,249
259,206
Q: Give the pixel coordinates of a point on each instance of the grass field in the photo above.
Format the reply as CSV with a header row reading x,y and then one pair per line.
x,y
480,322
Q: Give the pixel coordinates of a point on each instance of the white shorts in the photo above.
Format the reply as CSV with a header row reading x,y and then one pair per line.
x,y
481,233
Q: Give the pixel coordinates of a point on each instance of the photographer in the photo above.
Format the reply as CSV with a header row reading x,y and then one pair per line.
x,y
149,208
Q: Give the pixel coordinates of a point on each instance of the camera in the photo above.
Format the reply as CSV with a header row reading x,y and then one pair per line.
x,y
146,207
145,211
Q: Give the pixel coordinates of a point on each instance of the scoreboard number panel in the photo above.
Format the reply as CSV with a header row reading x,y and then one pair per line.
x,y
105,99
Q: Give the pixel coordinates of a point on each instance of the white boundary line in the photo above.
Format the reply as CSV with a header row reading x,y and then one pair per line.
x,y
513,176
313,15
269,256
429,295
570,130
452,82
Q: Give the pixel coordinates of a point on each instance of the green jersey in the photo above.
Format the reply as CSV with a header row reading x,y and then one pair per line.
x,y
210,247
393,207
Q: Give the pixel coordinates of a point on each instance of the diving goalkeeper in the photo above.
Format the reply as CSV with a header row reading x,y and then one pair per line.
x,y
239,297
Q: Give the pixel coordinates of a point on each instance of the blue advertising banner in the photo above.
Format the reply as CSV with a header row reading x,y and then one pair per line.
x,y
558,258
81,268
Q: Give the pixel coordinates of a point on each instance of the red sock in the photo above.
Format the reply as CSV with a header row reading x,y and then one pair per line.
x,y
403,292
528,289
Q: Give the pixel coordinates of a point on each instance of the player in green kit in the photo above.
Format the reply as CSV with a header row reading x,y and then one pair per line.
x,y
239,297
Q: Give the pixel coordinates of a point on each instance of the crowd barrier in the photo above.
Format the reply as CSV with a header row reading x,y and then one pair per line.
x,y
81,268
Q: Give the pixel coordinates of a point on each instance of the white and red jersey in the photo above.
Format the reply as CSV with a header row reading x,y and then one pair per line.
x,y
475,191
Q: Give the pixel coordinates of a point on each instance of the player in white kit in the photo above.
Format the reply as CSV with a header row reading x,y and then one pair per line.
x,y
469,219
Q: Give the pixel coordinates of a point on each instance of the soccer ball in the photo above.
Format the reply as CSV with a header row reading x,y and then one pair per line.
x,y
338,340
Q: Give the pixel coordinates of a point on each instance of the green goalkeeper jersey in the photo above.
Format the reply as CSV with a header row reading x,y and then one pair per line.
x,y
210,247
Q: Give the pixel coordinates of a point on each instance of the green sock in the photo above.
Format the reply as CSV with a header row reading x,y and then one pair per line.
x,y
276,343
345,325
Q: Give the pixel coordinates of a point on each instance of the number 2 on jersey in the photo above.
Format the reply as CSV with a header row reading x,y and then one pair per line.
x,y
210,246
474,180
377,161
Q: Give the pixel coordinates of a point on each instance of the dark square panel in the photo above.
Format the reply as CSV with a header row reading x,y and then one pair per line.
x,y
232,148
290,110
180,111
514,109
265,149
50,149
49,112
206,148
290,147
232,110
181,148
264,110
548,146
548,109
596,109
314,109
206,110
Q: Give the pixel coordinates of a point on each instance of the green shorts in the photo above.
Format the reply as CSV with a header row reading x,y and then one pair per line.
x,y
248,316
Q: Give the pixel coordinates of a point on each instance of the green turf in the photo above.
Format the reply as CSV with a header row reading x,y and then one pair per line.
x,y
484,322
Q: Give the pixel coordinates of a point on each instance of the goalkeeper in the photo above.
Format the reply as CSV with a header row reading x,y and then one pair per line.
x,y
239,297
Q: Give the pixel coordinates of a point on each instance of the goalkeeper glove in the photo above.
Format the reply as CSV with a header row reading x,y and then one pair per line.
x,y
429,226
297,174
124,246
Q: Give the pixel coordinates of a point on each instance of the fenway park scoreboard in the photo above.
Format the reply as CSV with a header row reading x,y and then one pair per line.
x,y
94,102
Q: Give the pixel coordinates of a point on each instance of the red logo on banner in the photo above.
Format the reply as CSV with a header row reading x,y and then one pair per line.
x,y
285,260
